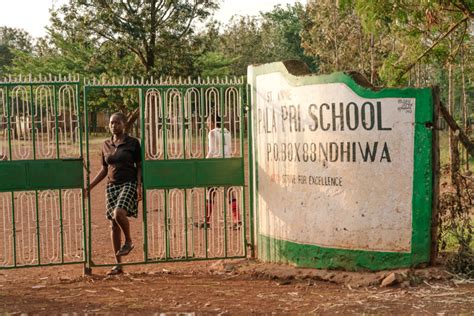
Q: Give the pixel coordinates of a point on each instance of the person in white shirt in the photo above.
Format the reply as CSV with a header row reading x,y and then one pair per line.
x,y
215,137
219,146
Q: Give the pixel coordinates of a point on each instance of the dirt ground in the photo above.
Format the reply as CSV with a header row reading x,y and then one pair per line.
x,y
221,287
231,287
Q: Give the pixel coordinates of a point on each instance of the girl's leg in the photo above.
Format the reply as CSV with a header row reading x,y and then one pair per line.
x,y
116,236
120,217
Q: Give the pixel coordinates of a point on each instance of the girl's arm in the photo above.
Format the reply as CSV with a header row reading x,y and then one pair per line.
x,y
99,177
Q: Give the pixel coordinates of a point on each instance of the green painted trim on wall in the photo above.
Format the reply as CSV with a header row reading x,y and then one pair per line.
x,y
310,256
319,257
422,178
181,173
48,174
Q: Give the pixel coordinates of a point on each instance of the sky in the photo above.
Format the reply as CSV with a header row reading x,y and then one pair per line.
x,y
33,15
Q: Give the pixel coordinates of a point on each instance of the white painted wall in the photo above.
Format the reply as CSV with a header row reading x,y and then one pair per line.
x,y
370,210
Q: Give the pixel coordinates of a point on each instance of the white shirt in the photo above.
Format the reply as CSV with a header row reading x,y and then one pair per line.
x,y
215,143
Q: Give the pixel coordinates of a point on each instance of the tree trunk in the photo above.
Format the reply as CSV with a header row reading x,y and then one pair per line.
x,y
451,140
372,67
418,75
362,69
336,52
131,118
464,103
457,131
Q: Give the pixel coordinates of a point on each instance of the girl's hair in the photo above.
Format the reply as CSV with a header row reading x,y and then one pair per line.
x,y
121,116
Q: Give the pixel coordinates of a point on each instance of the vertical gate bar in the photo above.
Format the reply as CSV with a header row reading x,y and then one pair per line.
x,y
221,104
242,121
225,221
203,125
250,164
183,127
221,107
11,158
88,240
167,245
183,133
242,149
203,150
55,104
38,240
164,124
192,210
144,205
82,128
56,112
165,157
7,98
79,121
203,128
186,221
33,121
206,235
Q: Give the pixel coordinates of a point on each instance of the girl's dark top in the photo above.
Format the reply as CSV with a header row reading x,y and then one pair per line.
x,y
121,159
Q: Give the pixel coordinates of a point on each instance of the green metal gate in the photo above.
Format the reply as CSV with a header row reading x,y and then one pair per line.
x,y
42,213
180,184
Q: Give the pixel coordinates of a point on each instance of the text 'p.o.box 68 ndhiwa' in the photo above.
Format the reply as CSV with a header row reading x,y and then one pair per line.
x,y
342,173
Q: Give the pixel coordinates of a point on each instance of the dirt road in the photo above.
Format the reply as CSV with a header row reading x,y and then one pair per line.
x,y
222,288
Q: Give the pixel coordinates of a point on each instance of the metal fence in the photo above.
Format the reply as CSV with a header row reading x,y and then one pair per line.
x,y
194,207
41,173
182,187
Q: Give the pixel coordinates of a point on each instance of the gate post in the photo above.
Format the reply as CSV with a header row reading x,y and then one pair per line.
x,y
88,239
436,176
248,113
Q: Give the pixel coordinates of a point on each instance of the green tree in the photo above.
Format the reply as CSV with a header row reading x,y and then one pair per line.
x,y
241,41
56,55
423,31
282,28
214,64
12,40
269,37
72,52
334,34
150,29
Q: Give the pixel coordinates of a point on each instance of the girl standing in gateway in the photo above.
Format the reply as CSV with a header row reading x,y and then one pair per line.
x,y
121,164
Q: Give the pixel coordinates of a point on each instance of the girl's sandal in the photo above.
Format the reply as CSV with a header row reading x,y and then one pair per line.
x,y
125,249
115,271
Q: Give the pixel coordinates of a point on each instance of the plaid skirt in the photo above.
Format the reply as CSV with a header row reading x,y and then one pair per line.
x,y
122,196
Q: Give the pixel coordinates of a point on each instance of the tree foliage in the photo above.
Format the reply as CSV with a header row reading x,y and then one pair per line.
x,y
152,30
335,35
12,40
429,31
387,40
284,26
269,37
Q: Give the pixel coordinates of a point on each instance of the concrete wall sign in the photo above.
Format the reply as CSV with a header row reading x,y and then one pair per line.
x,y
342,173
